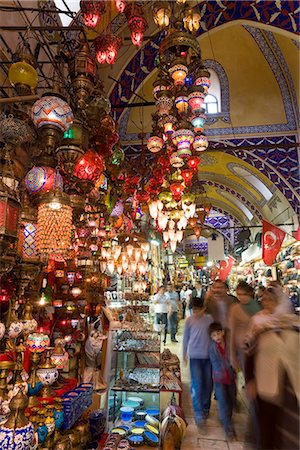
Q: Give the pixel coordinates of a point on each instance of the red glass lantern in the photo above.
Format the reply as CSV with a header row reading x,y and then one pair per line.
x,y
120,5
92,11
196,99
193,162
107,47
89,167
136,23
177,189
187,175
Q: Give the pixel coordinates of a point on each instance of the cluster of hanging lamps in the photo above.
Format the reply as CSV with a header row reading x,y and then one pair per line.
x,y
178,125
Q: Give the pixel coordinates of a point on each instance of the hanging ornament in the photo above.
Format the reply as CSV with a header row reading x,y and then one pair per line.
x,y
177,189
136,23
155,144
187,175
54,227
120,5
178,71
42,179
193,162
89,167
107,47
92,10
200,143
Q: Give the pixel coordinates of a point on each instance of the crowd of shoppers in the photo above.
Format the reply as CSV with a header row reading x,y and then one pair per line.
x,y
226,334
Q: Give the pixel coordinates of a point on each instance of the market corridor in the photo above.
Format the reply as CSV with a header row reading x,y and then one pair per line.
x,y
212,437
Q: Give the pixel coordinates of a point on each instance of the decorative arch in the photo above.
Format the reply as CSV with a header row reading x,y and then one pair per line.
x,y
282,15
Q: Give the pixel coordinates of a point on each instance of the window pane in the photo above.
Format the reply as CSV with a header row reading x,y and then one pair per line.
x,y
212,108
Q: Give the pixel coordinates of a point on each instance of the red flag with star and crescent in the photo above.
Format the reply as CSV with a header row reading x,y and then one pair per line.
x,y
272,240
225,267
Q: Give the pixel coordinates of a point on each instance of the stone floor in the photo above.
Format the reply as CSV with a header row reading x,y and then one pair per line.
x,y
212,437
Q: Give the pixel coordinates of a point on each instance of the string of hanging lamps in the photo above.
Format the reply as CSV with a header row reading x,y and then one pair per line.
x,y
178,125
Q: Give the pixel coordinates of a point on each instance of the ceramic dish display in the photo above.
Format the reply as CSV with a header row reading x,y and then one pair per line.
x,y
119,430
136,399
140,415
137,430
131,404
151,438
152,421
151,428
136,440
139,423
153,412
126,413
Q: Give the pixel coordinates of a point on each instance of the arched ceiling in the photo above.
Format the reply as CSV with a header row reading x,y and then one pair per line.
x,y
254,47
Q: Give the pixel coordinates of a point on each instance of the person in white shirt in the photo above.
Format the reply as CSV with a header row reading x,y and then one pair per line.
x,y
161,309
189,292
183,299
173,311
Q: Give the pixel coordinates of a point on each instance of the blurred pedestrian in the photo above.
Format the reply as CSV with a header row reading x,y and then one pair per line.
x,y
272,373
173,298
161,309
223,377
196,342
239,318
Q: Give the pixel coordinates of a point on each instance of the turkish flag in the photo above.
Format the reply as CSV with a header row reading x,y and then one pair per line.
x,y
225,268
296,234
271,242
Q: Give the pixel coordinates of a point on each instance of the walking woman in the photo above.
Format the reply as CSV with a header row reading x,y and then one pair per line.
x,y
239,318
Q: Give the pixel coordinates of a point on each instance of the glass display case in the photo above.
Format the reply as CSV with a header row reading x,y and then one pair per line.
x,y
134,384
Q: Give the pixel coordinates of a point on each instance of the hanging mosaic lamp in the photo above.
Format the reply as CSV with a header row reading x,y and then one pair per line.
x,y
40,180
168,121
178,71
51,110
161,13
160,84
176,161
198,122
120,5
22,73
92,11
182,102
54,226
203,79
183,138
196,99
106,48
155,144
200,143
164,102
89,167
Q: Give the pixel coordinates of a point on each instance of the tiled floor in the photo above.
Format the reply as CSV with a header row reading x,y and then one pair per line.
x,y
212,437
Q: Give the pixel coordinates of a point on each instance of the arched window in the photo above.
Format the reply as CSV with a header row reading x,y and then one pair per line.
x,y
213,99
211,104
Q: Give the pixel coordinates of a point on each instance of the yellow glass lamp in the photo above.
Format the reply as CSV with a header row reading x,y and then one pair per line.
x,y
23,74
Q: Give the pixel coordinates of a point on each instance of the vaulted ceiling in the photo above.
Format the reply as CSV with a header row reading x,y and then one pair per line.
x,y
251,169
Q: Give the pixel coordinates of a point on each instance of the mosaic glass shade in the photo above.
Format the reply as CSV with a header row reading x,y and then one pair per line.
x,y
52,110
42,179
54,229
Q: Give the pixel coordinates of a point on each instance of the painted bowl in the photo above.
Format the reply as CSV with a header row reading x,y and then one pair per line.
x,y
47,376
